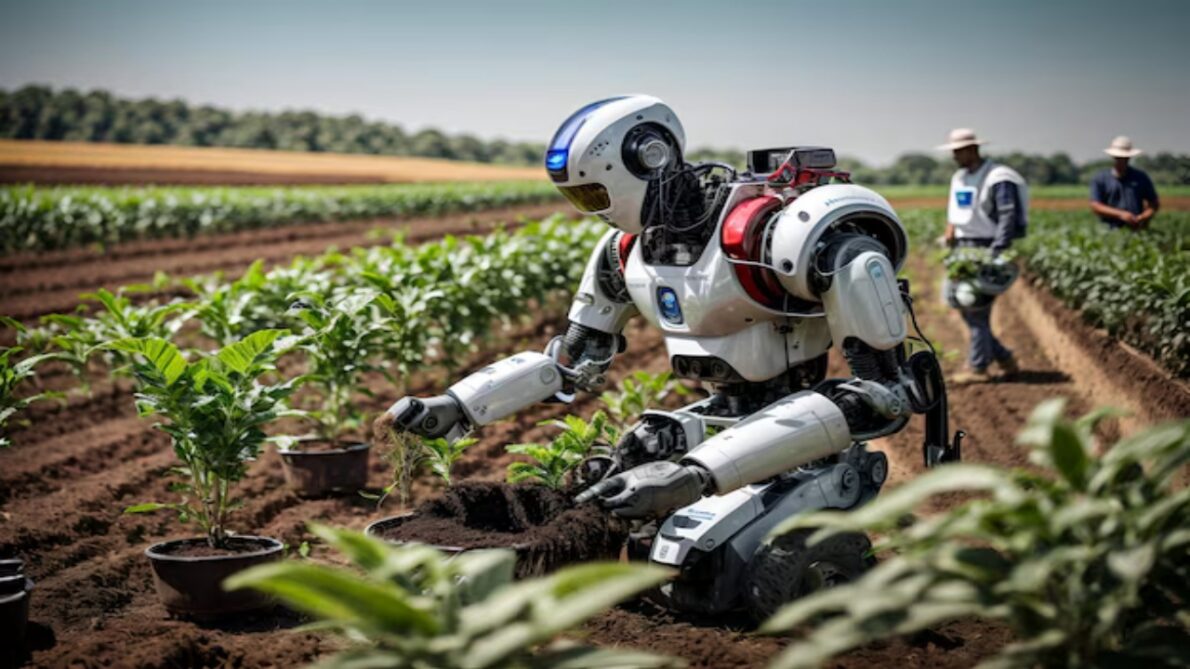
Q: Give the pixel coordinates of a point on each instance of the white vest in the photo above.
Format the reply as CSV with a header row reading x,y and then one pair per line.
x,y
970,204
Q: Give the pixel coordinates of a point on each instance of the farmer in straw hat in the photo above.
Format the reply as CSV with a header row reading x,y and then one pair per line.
x,y
1123,196
987,208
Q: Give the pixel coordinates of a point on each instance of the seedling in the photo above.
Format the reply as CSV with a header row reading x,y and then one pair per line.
x,y
441,455
640,392
551,463
213,409
345,338
12,374
410,606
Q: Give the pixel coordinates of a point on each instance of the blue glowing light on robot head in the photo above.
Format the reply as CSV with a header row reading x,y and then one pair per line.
x,y
559,149
555,160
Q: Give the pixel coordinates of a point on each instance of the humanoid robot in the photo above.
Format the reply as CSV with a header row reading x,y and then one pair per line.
x,y
751,277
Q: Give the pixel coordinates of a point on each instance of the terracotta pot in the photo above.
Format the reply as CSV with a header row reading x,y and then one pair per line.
x,y
319,472
192,586
15,592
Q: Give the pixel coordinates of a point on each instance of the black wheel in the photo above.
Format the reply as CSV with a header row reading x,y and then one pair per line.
x,y
782,571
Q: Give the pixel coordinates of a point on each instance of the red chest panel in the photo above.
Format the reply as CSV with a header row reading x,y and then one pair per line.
x,y
743,239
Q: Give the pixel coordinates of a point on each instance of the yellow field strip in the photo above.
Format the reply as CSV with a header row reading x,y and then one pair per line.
x,y
96,156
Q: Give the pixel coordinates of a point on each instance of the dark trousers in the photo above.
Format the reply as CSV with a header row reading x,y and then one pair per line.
x,y
985,348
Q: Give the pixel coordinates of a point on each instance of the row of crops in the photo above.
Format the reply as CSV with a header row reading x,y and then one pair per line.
x,y
389,309
56,218
1135,285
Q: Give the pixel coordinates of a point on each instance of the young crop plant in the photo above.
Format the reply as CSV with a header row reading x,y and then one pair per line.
x,y
640,392
213,409
410,606
441,455
1084,560
14,373
345,337
550,464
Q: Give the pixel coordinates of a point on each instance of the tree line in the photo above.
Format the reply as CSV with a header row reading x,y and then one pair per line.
x,y
39,112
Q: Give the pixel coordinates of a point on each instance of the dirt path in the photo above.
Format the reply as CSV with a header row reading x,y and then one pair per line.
x,y
39,283
64,483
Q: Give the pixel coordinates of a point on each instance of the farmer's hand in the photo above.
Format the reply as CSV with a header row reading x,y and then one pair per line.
x,y
431,417
649,490
948,237
1128,218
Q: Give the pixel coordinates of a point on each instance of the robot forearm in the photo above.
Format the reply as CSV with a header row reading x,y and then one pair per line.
x,y
494,392
801,428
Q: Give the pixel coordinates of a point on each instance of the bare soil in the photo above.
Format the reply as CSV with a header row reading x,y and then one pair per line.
x,y
69,474
199,548
543,525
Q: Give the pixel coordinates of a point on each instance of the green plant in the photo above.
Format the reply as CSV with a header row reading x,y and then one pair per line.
x,y
1085,560
441,455
409,606
12,374
639,392
213,409
964,263
550,463
34,218
346,336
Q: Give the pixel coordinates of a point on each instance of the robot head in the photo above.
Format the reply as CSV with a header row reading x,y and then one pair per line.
x,y
605,156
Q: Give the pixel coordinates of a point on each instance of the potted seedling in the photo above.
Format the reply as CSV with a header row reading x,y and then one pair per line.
x,y
345,337
213,409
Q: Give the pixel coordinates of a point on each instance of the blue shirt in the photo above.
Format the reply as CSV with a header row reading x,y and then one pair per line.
x,y
1129,193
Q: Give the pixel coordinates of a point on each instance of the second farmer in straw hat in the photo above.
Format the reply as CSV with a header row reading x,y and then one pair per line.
x,y
987,208
1121,195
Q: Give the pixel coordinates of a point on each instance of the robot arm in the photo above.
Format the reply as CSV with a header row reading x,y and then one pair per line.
x,y
597,316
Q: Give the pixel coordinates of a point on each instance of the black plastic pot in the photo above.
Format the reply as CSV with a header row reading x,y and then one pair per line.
x,y
319,472
15,592
192,586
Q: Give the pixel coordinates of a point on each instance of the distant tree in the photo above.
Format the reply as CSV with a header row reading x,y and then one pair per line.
x,y
38,112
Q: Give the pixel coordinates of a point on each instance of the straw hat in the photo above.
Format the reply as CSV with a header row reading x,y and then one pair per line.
x,y
960,138
1121,147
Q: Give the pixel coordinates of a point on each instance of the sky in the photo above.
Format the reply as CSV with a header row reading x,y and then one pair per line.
x,y
872,78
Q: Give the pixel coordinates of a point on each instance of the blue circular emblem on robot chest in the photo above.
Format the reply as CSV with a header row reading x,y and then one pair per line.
x,y
667,303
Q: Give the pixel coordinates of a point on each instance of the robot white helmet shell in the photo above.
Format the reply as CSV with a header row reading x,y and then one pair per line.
x,y
603,157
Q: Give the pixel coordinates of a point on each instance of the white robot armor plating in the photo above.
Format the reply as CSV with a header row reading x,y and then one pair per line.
x,y
751,277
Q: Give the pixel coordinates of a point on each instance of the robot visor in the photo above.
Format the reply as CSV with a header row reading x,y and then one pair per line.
x,y
587,198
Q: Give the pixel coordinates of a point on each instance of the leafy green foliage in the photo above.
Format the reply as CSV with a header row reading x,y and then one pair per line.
x,y
549,464
345,336
62,217
1086,562
1136,285
213,409
639,392
441,455
412,607
13,373
964,263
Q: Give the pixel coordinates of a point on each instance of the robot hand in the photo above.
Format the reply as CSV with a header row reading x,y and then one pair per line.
x,y
431,417
649,490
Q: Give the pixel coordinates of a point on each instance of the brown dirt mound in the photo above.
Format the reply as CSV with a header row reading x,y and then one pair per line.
x,y
543,525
